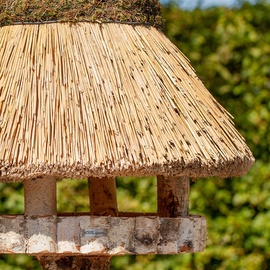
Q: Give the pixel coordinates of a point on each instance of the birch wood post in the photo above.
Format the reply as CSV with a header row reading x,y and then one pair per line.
x,y
103,202
40,200
102,193
40,196
173,196
75,262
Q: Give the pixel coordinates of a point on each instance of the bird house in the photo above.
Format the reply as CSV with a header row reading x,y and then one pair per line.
x,y
94,89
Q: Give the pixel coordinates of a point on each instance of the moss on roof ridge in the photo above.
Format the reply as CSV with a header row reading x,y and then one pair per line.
x,y
129,11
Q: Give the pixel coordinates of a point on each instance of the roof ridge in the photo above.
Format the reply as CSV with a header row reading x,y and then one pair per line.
x,y
136,11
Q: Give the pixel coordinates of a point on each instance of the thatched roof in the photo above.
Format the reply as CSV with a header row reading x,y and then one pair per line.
x,y
108,99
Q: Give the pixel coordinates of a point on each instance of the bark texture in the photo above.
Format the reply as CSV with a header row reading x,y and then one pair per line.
x,y
40,196
102,193
75,262
173,196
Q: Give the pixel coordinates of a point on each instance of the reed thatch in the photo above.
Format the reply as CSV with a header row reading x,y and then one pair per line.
x,y
108,99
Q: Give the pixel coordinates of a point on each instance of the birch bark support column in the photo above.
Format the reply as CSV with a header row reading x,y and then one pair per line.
x,y
40,196
102,194
103,202
173,196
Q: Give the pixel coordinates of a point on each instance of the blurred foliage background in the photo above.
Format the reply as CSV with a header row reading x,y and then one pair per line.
x,y
230,50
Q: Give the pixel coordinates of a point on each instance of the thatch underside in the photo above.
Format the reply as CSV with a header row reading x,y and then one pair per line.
x,y
108,100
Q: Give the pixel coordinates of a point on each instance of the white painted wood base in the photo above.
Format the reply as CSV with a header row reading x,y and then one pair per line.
x,y
92,235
